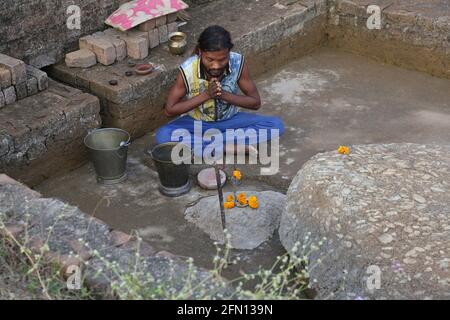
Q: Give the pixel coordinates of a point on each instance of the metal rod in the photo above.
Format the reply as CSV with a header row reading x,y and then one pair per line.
x,y
220,192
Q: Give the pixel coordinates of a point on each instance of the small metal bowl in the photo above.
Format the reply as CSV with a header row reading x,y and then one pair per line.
x,y
177,42
143,68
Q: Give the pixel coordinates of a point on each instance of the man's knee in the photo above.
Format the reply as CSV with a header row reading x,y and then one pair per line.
x,y
274,123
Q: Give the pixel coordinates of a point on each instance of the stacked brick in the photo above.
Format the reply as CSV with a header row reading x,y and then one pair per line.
x,y
18,80
112,45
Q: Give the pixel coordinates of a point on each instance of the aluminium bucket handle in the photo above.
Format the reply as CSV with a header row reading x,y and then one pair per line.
x,y
122,144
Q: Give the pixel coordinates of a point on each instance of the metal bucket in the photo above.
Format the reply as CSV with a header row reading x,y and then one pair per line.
x,y
174,178
108,148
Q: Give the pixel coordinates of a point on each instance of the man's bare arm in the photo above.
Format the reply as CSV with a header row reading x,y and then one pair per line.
x,y
250,99
175,105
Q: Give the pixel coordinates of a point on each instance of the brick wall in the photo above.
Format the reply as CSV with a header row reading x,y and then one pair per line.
x,y
35,30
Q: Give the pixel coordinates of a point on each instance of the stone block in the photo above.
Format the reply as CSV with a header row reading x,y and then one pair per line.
x,y
21,90
172,17
10,95
84,42
5,78
2,99
118,43
40,75
103,49
32,86
147,25
153,37
136,41
82,58
137,47
137,33
15,66
121,48
113,32
160,21
163,34
172,27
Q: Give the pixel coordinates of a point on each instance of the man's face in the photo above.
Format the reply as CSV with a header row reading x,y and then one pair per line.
x,y
215,62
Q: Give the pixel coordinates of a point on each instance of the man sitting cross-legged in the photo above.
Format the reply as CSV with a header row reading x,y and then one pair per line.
x,y
206,90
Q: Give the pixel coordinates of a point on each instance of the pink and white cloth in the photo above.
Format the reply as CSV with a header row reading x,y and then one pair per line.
x,y
135,12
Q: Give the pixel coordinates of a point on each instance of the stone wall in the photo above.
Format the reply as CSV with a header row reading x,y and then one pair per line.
x,y
35,31
43,38
412,35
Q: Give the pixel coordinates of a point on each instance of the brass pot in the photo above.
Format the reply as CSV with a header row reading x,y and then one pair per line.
x,y
177,43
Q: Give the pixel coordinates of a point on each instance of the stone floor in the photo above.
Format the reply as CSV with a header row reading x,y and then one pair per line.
x,y
326,99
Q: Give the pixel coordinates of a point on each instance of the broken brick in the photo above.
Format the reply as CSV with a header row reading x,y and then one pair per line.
x,y
15,66
82,58
5,78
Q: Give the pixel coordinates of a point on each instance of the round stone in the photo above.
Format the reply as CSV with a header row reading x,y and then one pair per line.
x,y
207,178
400,209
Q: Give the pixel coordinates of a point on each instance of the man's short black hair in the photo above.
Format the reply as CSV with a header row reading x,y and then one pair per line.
x,y
214,38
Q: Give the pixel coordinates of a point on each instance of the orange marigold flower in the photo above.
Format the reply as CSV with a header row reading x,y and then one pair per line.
x,y
237,174
344,150
242,198
253,202
230,197
228,204
242,195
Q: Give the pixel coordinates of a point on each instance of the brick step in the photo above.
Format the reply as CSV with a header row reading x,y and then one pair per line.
x,y
42,135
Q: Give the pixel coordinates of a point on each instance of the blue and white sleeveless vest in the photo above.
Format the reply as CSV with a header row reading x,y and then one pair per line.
x,y
195,82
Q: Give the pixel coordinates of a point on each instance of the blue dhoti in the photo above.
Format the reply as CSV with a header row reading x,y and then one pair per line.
x,y
257,128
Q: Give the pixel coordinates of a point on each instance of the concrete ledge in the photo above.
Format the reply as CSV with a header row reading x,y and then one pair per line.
x,y
259,30
413,36
42,135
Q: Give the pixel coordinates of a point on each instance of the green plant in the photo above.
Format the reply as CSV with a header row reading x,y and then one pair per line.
x,y
286,279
